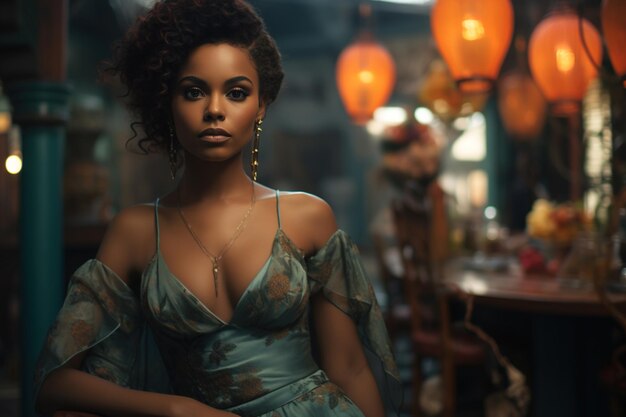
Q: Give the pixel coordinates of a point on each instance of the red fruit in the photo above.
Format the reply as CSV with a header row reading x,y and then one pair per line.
x,y
531,260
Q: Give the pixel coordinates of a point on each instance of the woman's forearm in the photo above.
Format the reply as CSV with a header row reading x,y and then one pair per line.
x,y
71,389
361,387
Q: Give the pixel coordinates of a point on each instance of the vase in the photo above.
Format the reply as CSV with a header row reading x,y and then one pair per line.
x,y
593,258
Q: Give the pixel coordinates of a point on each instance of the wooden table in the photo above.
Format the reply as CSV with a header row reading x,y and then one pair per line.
x,y
535,293
563,320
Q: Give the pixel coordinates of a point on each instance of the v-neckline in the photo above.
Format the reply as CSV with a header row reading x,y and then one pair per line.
x,y
158,257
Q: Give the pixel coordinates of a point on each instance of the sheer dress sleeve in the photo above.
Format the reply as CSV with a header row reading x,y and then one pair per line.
x,y
102,314
337,271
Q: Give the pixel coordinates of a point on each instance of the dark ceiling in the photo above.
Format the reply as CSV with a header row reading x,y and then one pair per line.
x,y
312,26
299,26
305,28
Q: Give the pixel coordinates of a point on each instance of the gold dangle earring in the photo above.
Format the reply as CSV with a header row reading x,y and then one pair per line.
x,y
254,162
172,155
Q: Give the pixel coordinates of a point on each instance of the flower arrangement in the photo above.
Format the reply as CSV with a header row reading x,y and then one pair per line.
x,y
553,227
410,152
557,224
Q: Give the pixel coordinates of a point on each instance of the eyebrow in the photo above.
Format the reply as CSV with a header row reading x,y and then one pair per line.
x,y
203,83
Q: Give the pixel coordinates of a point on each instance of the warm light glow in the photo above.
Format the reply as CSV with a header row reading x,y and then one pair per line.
x,y
5,122
522,106
558,61
390,116
5,112
375,128
13,164
366,75
461,123
473,285
441,106
478,186
473,37
565,58
473,29
471,145
424,116
440,94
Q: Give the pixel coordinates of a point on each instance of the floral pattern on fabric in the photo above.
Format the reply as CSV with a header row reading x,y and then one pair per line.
x,y
223,389
219,351
328,394
252,364
336,270
100,313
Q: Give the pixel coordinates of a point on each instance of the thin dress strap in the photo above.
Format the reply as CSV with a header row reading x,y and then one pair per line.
x,y
278,207
156,223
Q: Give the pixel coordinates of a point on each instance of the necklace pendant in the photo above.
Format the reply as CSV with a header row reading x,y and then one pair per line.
x,y
216,270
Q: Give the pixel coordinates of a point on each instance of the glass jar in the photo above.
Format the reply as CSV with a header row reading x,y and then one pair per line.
x,y
593,257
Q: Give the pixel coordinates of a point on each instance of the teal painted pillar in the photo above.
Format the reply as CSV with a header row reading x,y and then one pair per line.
x,y
497,161
41,110
356,157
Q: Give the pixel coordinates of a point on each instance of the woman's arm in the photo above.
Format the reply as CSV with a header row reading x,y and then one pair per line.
x,y
342,357
68,388
340,350
124,249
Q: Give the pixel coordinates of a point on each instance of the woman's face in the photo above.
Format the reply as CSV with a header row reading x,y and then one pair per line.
x,y
215,102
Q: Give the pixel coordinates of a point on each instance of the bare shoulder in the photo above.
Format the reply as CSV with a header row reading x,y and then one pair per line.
x,y
126,243
309,215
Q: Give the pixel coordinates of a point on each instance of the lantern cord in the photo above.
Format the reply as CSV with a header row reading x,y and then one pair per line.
x,y
366,26
601,70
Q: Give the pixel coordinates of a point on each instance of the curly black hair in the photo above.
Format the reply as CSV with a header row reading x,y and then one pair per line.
x,y
150,56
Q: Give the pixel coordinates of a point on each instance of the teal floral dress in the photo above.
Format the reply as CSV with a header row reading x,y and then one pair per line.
x,y
258,364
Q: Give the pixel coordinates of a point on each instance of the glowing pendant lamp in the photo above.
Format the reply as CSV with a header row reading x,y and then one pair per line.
x,y
441,95
5,112
366,74
521,105
558,61
614,29
473,37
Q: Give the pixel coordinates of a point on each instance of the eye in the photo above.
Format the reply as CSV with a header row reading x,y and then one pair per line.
x,y
238,94
193,93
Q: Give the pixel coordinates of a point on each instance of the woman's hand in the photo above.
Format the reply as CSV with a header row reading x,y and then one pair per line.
x,y
188,407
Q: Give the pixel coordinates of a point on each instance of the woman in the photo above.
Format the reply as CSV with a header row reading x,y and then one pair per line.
x,y
198,305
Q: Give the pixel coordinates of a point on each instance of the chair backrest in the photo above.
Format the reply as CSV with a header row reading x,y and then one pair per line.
x,y
421,231
390,279
412,223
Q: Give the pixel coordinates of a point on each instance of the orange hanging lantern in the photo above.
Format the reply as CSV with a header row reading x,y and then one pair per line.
x,y
440,94
614,28
558,60
366,75
521,105
473,37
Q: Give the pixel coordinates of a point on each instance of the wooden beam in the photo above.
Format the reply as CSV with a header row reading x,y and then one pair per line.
x,y
52,40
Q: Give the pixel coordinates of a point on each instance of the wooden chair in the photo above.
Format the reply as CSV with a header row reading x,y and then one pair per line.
x,y
397,314
422,238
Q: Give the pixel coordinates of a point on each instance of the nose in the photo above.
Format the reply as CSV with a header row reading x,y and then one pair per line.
x,y
214,109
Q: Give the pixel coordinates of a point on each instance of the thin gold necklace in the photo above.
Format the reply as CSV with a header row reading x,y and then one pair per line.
x,y
215,259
